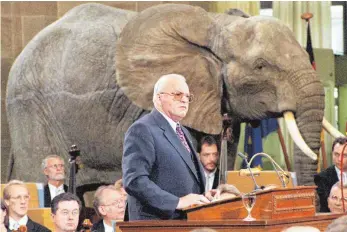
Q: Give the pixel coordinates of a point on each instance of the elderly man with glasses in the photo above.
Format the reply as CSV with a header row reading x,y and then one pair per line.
x,y
109,204
161,169
53,167
16,197
335,198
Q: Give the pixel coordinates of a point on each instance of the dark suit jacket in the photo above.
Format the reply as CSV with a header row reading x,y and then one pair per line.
x,y
325,180
99,226
158,169
35,227
47,195
216,179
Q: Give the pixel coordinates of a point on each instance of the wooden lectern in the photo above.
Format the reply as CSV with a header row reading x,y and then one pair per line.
x,y
270,204
274,209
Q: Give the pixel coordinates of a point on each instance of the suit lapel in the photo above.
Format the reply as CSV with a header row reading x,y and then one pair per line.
x,y
30,225
47,196
175,142
199,165
65,188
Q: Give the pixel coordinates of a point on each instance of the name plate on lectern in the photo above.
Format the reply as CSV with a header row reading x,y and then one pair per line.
x,y
276,203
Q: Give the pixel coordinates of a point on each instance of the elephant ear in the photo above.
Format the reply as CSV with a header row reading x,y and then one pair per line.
x,y
172,38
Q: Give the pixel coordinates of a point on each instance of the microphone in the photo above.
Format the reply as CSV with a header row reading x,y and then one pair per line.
x,y
274,164
256,186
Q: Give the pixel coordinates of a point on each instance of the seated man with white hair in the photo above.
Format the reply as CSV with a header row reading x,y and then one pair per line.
x,y
335,198
109,203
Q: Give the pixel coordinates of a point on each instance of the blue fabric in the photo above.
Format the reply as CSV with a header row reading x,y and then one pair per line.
x,y
41,195
253,140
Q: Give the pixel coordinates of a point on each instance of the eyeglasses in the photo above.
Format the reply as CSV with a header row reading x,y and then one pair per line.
x,y
67,212
18,198
336,198
177,96
120,204
56,166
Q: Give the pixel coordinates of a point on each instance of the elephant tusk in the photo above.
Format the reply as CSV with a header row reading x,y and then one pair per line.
x,y
330,129
296,135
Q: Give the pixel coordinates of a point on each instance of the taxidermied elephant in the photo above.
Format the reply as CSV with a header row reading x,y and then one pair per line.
x,y
87,77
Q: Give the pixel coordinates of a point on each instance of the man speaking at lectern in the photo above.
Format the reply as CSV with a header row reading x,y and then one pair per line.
x,y
161,171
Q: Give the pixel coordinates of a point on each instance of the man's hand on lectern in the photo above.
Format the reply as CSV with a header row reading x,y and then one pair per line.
x,y
191,199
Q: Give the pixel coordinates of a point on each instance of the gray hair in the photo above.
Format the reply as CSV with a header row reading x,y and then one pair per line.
x,y
98,196
338,185
45,160
162,81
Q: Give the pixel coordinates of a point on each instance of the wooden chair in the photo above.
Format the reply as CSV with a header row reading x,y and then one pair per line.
x,y
263,178
42,216
34,194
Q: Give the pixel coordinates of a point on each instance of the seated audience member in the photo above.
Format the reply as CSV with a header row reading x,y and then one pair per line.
x,y
66,208
3,217
338,225
109,203
301,229
335,199
53,168
327,178
209,155
16,197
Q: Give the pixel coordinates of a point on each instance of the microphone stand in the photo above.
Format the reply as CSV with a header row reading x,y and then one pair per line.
x,y
256,186
274,164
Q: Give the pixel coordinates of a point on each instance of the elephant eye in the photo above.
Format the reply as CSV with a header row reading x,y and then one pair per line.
x,y
259,64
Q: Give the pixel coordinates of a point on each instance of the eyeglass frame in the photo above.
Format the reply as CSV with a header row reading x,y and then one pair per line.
x,y
55,166
116,203
177,96
25,197
338,199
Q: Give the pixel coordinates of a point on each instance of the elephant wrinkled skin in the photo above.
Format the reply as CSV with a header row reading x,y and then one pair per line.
x,y
87,77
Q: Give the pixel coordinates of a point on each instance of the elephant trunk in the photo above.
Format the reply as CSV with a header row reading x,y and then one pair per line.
x,y
309,116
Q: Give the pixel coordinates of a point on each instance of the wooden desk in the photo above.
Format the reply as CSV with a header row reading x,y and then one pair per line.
x,y
320,221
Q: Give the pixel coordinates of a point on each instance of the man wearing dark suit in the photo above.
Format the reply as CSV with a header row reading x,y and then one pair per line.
x,y
327,178
53,168
16,196
209,155
161,170
109,203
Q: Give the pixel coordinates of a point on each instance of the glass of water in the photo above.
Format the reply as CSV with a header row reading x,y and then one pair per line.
x,y
248,200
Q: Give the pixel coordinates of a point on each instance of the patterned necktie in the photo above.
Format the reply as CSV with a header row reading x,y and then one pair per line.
x,y
180,134
59,191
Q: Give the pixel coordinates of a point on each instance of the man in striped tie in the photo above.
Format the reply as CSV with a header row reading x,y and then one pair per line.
x,y
161,170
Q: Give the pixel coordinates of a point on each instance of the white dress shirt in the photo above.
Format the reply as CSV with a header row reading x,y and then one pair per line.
x,y
209,179
14,225
55,190
107,227
344,175
172,123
